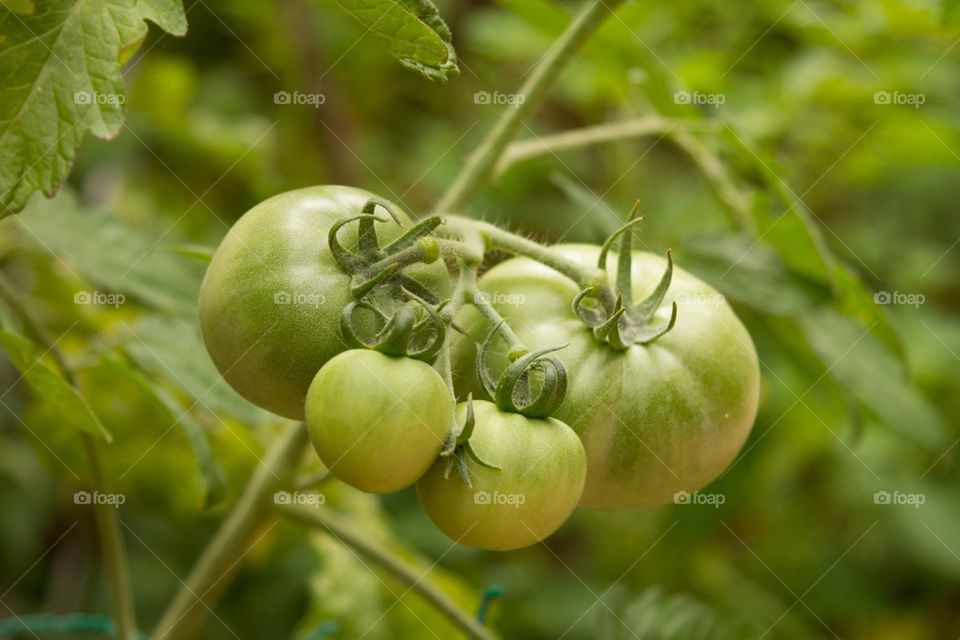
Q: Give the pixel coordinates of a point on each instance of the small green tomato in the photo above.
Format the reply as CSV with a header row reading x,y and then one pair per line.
x,y
378,422
542,471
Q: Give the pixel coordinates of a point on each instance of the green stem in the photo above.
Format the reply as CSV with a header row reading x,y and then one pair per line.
x,y
526,150
494,237
112,547
374,551
456,250
481,163
735,201
478,299
107,516
206,580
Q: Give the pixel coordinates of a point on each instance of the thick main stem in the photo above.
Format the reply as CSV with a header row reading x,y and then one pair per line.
x,y
493,237
482,162
199,591
346,534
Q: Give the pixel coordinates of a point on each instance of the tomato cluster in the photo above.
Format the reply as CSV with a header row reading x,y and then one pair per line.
x,y
317,307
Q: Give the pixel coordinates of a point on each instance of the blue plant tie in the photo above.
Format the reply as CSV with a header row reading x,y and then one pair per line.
x,y
50,623
492,593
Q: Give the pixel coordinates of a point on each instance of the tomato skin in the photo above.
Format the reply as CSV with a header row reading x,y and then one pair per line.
x,y
542,470
378,422
656,419
272,296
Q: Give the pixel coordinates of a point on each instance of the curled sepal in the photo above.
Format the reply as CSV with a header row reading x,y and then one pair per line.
x,y
483,373
347,259
588,307
514,391
362,285
608,243
401,334
642,312
457,448
610,331
647,334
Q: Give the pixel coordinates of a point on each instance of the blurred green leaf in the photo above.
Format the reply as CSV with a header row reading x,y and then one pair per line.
x,y
656,615
113,254
750,272
50,387
173,349
213,474
61,78
951,12
412,31
865,367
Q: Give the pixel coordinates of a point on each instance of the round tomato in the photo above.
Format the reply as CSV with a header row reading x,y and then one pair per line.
x,y
655,419
271,299
542,468
377,421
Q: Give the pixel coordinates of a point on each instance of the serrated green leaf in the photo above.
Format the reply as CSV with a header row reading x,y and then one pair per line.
x,y
860,362
174,349
656,615
412,31
60,76
50,387
112,254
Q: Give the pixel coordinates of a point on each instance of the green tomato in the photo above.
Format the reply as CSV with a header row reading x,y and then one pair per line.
x,y
656,419
378,422
542,471
271,299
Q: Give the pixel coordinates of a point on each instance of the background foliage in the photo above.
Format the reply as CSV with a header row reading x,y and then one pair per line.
x,y
818,182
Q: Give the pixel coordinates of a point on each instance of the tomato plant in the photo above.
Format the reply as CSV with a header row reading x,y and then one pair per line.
x,y
377,421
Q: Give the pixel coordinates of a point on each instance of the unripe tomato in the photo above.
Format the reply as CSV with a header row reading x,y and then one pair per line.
x,y
378,422
655,419
271,299
542,471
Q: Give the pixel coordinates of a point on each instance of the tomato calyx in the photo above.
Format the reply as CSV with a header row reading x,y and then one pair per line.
x,y
533,384
624,323
372,265
415,330
456,450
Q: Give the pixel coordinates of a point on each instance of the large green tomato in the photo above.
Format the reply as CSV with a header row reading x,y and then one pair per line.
x,y
655,419
271,299
542,471
378,422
